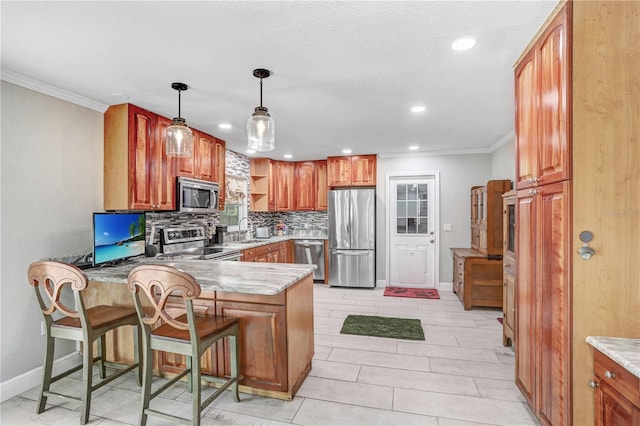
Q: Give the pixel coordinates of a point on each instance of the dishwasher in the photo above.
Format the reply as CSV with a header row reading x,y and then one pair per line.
x,y
311,252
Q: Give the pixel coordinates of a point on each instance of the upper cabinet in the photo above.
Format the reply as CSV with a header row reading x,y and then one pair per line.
x,y
486,216
320,184
357,170
284,186
541,85
137,173
287,186
304,187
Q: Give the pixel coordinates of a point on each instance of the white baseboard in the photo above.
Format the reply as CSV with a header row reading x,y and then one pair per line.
x,y
445,286
24,382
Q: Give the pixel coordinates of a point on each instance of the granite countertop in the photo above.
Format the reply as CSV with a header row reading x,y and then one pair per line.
x,y
233,277
257,242
623,351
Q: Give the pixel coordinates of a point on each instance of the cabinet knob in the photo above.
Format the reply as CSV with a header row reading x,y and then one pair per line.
x,y
533,191
593,384
609,375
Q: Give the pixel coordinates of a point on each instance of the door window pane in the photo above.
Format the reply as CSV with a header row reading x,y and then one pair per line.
x,y
412,205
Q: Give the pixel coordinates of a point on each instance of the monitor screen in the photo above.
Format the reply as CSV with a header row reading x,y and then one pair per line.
x,y
117,236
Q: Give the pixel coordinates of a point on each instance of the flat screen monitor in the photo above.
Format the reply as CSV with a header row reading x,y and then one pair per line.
x,y
117,236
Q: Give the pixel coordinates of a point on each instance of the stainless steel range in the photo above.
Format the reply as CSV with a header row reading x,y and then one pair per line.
x,y
189,242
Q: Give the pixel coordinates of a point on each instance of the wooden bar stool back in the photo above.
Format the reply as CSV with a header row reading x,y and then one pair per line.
x,y
49,279
188,334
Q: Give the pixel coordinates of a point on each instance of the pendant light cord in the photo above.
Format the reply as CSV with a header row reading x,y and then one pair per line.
x,y
179,93
260,93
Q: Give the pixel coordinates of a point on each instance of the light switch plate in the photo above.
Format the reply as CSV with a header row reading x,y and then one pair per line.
x,y
447,227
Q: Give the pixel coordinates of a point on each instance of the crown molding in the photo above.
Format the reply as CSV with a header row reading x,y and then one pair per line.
x,y
511,135
47,89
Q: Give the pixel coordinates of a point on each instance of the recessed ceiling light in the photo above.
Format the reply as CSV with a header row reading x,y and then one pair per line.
x,y
346,151
413,147
419,108
251,151
463,43
224,125
288,156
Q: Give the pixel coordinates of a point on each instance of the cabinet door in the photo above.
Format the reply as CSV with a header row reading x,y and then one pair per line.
x,y
164,174
143,147
202,164
304,192
508,308
220,171
526,327
339,171
273,184
321,185
553,314
363,170
526,91
284,187
613,409
553,67
261,326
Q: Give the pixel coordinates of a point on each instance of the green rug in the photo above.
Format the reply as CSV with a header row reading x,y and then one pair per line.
x,y
395,328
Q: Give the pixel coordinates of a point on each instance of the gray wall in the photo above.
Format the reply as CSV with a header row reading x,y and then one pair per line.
x,y
503,161
458,173
51,182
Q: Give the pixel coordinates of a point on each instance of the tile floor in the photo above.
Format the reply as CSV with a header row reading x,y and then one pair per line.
x,y
461,375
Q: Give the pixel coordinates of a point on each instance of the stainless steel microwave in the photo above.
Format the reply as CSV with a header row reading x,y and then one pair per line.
x,y
196,196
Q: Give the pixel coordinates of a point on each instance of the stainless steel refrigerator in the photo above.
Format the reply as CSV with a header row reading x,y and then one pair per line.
x,y
352,239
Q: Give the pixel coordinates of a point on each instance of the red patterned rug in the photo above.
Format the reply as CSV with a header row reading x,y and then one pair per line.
x,y
423,293
499,320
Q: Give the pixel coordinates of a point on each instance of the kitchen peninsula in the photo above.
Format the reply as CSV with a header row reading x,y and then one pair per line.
x,y
273,301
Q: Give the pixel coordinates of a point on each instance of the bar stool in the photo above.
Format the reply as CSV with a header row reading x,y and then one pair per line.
x,y
80,325
188,334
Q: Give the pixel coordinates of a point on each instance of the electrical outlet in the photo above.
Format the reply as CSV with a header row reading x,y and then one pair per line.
x,y
42,328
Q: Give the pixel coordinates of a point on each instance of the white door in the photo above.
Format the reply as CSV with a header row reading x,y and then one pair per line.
x,y
412,238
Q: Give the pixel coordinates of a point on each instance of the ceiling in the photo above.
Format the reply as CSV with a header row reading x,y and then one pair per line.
x,y
344,74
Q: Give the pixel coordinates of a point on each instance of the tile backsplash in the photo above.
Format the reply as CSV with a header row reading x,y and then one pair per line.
x,y
238,165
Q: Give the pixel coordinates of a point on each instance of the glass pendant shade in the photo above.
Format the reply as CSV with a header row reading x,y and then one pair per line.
x,y
179,139
261,131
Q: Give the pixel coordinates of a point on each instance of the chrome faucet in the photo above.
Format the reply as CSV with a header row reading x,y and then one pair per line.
x,y
249,226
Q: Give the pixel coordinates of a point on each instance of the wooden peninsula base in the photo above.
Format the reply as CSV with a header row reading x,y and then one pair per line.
x,y
276,334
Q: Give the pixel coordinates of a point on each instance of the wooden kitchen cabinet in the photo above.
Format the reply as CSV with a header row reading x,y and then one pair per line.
x,y
542,103
284,186
270,253
576,161
320,183
138,175
357,170
220,171
509,264
304,186
477,280
262,185
203,163
616,393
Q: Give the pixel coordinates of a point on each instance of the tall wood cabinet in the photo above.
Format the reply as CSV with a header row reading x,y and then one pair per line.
x,y
577,102
486,216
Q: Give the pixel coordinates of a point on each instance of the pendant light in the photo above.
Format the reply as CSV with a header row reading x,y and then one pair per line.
x,y
261,129
179,139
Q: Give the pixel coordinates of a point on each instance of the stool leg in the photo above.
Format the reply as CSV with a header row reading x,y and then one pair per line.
x,y
102,351
189,379
196,387
235,362
147,362
46,374
137,352
87,375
